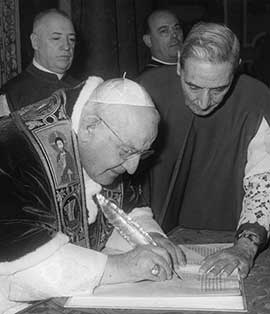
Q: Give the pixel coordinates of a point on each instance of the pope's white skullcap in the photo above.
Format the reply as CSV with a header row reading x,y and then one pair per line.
x,y
121,91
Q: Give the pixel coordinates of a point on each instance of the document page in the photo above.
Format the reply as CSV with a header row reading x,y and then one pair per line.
x,y
195,291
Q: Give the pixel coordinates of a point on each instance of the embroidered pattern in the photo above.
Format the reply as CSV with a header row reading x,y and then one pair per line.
x,y
52,138
101,229
256,202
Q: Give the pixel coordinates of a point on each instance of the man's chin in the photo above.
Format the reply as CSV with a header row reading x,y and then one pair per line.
x,y
63,67
173,51
200,112
105,180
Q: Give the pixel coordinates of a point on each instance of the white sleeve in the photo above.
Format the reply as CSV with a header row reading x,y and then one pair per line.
x,y
4,109
256,201
56,269
144,217
258,157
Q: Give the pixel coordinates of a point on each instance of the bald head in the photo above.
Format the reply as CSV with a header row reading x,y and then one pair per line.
x,y
45,16
53,40
115,132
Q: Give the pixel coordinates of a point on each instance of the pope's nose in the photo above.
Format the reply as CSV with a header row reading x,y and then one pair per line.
x,y
131,164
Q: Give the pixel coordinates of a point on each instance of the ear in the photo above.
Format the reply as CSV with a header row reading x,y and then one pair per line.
x,y
34,41
92,123
88,126
147,40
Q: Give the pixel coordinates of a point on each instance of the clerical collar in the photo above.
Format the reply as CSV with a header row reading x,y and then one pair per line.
x,y
163,62
40,67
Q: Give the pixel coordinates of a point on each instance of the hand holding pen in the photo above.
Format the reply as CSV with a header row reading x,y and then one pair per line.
x,y
176,254
136,235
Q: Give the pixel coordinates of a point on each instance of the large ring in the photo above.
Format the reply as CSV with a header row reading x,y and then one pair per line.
x,y
155,270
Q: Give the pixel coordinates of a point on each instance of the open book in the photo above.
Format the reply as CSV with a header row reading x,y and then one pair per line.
x,y
195,291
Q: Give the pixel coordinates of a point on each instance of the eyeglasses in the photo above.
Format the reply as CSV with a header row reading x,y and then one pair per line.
x,y
127,152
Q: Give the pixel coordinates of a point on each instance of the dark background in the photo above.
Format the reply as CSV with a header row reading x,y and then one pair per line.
x,y
110,31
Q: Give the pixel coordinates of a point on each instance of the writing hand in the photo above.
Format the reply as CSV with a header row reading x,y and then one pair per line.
x,y
177,255
138,264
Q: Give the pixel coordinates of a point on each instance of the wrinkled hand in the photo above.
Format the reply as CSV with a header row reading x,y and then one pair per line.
x,y
177,255
137,264
240,256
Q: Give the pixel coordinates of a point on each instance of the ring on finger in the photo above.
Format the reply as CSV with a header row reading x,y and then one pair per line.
x,y
155,270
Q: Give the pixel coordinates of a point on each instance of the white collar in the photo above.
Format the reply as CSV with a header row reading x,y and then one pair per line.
x,y
42,68
163,62
91,188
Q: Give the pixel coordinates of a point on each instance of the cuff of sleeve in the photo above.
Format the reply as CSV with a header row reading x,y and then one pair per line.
x,y
144,217
254,232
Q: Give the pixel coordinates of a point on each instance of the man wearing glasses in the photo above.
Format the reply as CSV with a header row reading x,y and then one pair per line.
x,y
53,237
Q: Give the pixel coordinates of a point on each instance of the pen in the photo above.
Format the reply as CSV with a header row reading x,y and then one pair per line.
x,y
177,275
126,226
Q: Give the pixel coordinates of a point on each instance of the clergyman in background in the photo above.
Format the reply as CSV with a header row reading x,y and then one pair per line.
x,y
163,35
53,40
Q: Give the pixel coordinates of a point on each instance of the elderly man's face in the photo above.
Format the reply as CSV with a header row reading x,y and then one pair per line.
x,y
205,84
166,36
54,43
116,143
